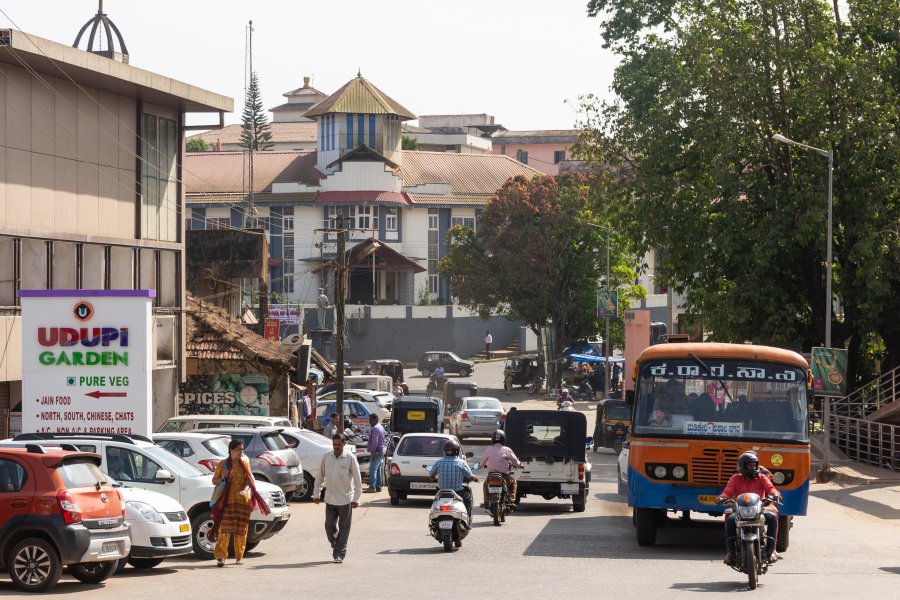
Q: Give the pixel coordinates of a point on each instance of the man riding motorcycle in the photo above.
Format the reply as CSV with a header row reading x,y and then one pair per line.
x,y
497,458
749,479
451,472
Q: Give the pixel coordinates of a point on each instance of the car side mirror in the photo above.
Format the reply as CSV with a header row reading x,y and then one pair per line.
x,y
164,476
470,454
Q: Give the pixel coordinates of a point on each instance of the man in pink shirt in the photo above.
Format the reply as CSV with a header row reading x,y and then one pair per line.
x,y
497,458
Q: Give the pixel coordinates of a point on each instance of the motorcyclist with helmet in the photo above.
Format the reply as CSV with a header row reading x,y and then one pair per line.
x,y
749,479
497,458
451,472
564,396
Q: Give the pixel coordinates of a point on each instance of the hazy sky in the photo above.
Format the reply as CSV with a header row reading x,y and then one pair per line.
x,y
517,60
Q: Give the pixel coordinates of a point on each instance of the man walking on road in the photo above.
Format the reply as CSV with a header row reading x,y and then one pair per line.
x,y
340,476
376,453
488,340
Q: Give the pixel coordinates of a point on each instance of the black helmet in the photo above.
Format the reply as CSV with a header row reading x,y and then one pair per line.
x,y
743,465
498,437
451,448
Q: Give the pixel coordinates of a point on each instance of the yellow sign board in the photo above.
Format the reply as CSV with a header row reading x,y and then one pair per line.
x,y
415,415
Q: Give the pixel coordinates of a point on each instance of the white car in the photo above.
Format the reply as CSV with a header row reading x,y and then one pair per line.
x,y
203,450
310,448
622,469
159,527
138,462
408,466
379,403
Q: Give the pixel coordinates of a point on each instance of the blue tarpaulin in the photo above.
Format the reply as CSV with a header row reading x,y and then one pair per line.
x,y
590,358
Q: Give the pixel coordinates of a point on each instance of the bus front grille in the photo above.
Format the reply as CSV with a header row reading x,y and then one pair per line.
x,y
714,467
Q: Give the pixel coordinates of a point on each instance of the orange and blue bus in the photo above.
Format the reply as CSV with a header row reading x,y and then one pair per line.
x,y
697,408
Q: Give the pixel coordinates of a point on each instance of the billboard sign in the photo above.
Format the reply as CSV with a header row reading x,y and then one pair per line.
x,y
287,314
272,329
225,394
607,303
829,371
87,361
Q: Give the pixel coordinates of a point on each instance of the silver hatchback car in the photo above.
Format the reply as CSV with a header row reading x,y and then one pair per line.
x,y
271,458
476,416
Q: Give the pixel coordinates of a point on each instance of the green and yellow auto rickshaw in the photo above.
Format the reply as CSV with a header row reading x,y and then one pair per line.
x,y
613,423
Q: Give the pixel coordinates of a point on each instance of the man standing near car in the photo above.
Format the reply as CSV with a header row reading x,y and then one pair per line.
x,y
339,474
376,452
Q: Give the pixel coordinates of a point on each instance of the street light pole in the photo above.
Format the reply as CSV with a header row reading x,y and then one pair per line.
x,y
828,254
605,339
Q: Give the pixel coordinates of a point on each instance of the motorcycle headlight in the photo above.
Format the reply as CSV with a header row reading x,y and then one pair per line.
x,y
748,512
678,472
147,512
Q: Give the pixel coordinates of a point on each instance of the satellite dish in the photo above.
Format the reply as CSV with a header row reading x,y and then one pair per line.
x,y
292,343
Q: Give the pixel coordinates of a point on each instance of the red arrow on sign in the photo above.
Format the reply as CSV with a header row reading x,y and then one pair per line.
x,y
98,394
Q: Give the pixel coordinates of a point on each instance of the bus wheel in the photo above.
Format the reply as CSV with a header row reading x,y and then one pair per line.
x,y
645,519
785,522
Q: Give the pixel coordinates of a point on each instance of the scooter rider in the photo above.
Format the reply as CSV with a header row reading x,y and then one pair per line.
x,y
497,458
451,472
564,396
749,480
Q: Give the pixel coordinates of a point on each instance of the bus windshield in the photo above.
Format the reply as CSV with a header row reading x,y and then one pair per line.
x,y
721,398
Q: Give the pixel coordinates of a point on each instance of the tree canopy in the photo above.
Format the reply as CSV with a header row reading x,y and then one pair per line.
x,y
738,219
256,133
196,145
537,257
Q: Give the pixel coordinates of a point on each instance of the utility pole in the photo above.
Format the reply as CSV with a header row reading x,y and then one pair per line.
x,y
339,314
251,212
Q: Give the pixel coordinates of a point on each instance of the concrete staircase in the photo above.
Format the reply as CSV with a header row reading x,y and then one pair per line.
x,y
878,400
511,349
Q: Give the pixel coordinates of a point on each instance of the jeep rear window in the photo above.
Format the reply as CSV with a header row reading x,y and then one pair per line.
x,y
274,441
545,434
80,472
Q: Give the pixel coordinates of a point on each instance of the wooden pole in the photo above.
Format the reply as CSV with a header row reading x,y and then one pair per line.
x,y
339,316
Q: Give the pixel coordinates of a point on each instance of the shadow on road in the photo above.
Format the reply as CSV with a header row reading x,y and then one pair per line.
x,y
894,570
138,573
437,549
713,586
303,565
846,497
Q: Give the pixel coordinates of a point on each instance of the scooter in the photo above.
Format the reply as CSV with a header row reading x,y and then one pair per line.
x,y
448,520
497,497
750,545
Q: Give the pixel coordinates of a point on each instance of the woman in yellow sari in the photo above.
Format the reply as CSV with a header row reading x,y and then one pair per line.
x,y
231,511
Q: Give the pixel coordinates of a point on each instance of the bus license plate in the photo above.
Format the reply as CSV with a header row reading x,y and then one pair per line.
x,y
706,499
445,524
110,548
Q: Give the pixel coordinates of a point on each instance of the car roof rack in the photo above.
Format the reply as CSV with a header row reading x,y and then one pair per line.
x,y
115,437
35,449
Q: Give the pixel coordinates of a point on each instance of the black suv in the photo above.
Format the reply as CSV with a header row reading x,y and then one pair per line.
x,y
450,361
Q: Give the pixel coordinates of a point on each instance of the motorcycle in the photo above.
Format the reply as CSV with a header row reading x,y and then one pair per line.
x,y
436,382
566,405
750,544
448,519
498,500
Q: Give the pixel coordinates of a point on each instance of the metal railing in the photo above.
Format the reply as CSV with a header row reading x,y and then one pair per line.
x,y
869,398
867,441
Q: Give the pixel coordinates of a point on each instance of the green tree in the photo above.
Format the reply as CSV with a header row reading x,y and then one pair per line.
x,y
196,145
537,258
256,133
409,143
739,220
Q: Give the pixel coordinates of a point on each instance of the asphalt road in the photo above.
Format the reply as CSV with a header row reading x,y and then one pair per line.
x,y
846,547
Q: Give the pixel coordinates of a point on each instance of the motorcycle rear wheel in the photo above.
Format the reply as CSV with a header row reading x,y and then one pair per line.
x,y
750,564
447,538
495,513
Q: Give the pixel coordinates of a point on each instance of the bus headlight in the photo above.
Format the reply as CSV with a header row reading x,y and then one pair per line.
x,y
659,471
678,472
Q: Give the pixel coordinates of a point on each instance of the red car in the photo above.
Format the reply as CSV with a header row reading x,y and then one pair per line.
x,y
58,509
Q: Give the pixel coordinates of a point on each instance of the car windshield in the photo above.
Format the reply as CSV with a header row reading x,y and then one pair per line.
x,y
172,463
173,426
454,357
218,446
80,472
274,441
723,398
483,404
421,446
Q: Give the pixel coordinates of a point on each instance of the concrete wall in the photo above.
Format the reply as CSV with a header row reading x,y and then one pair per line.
x,y
406,332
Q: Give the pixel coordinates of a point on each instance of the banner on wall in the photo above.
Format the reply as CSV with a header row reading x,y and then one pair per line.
x,y
224,394
272,330
87,361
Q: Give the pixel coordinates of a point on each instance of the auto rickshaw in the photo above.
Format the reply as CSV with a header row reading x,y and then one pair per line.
x,y
524,370
613,424
417,414
387,366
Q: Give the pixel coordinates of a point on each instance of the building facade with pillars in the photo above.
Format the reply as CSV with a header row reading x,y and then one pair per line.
x,y
91,192
404,200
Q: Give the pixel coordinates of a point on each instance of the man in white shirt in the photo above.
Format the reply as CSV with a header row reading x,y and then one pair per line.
x,y
340,476
488,340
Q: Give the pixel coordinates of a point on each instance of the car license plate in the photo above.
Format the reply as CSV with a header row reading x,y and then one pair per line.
x,y
706,499
495,490
184,527
568,488
422,485
110,548
445,524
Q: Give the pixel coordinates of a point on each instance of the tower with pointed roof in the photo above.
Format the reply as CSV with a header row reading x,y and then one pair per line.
x,y
299,101
101,24
358,119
